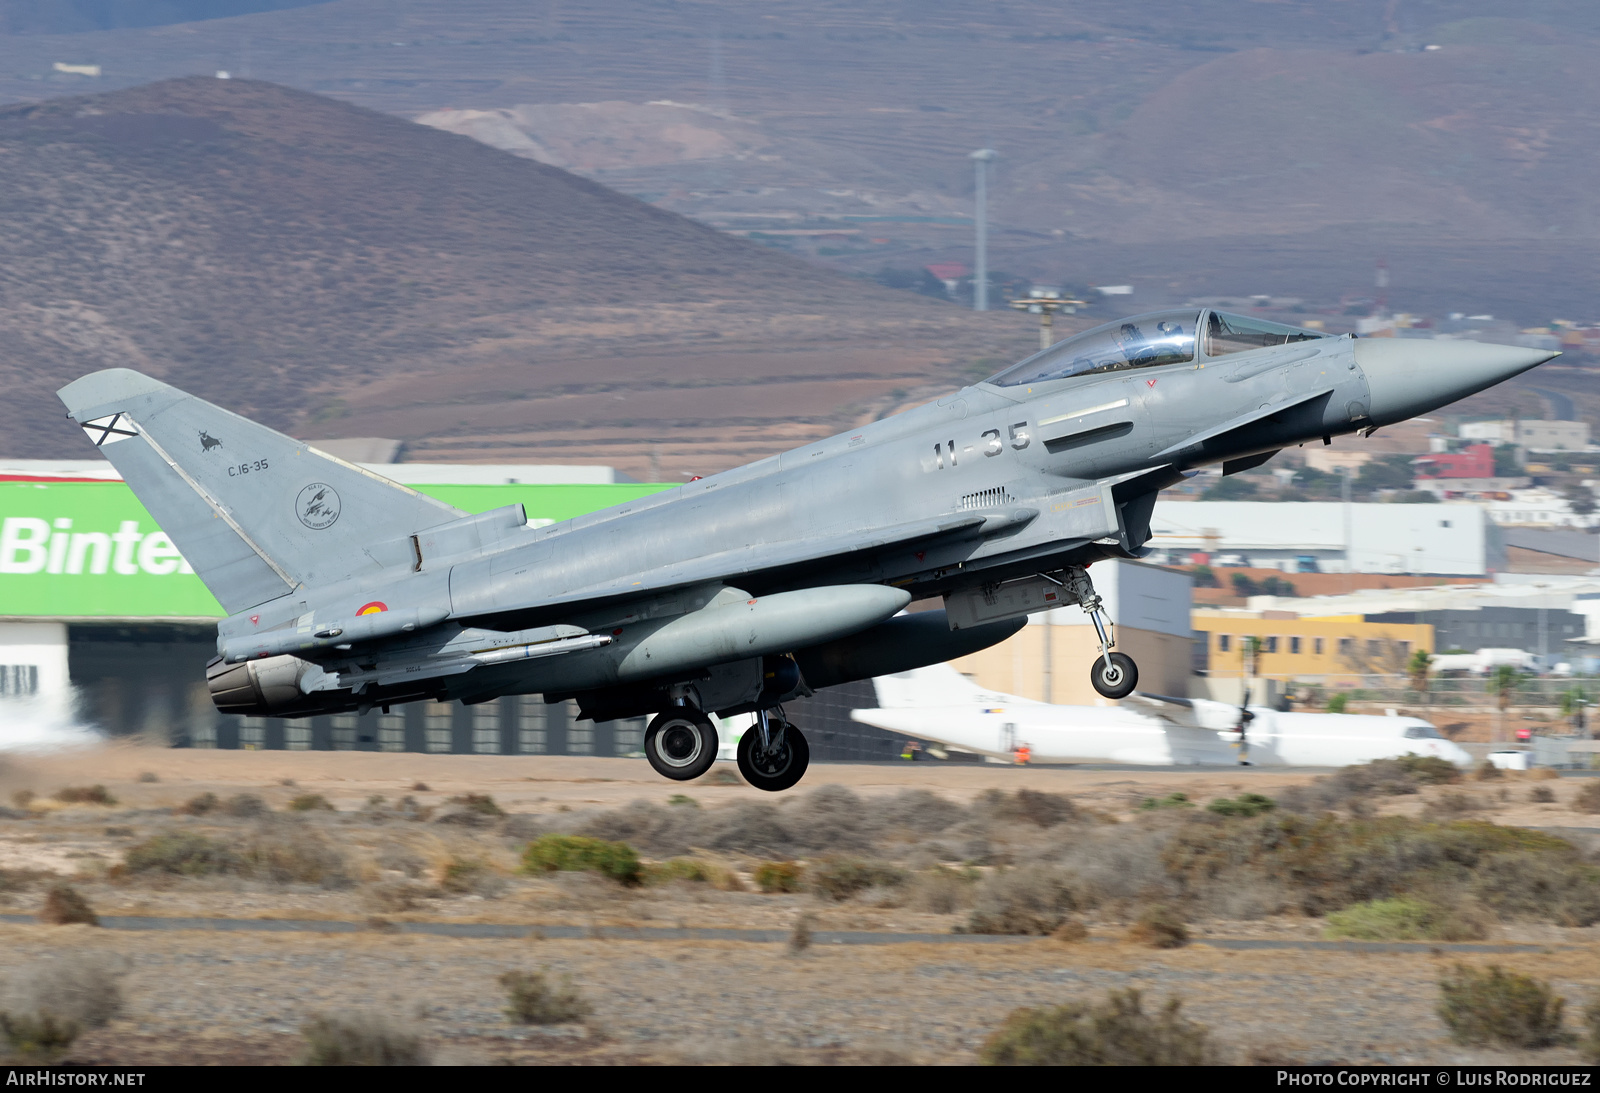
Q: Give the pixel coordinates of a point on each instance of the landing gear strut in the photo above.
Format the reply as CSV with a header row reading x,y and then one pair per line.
x,y
1113,675
773,754
681,743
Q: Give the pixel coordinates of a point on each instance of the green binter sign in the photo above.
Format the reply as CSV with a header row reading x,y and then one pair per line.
x,y
90,550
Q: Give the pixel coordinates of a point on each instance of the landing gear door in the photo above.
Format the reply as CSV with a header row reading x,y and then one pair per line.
x,y
990,603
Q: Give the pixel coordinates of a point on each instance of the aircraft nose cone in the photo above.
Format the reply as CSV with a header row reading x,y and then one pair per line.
x,y
1407,377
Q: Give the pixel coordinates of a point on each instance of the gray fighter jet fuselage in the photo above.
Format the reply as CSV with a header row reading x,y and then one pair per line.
x,y
738,591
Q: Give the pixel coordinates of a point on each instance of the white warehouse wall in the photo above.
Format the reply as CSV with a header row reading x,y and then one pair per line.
x,y
1446,539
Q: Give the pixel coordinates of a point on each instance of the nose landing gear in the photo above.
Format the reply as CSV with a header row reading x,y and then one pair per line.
x,y
1113,675
773,754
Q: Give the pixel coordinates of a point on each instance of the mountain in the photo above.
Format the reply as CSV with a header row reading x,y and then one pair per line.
x,y
1224,147
336,271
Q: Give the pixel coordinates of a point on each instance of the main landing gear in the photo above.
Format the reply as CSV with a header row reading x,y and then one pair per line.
x,y
1113,675
681,743
773,754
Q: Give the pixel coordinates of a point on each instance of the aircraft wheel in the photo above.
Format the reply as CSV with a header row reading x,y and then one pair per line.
x,y
777,769
681,743
1117,680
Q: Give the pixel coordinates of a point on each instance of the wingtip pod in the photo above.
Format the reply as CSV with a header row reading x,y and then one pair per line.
x,y
106,391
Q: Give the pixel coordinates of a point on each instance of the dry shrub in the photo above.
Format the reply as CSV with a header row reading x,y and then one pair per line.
x,y
662,832
941,891
1328,863
84,795
779,876
579,853
800,937
1028,806
83,989
420,787
181,853
65,906
470,810
1160,927
840,878
829,820
22,798
245,806
1125,863
481,803
1494,1006
1072,931
1588,798
1545,887
199,805
832,821
1171,800
360,1039
310,802
410,809
1116,1032
695,871
1405,919
396,897
398,858
1246,804
1488,772
1591,1039
1541,795
1450,805
1028,900
1350,786
471,876
919,811
531,999
32,1038
288,853
148,776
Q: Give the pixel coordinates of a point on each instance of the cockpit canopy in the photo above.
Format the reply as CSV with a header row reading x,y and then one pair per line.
x,y
1145,341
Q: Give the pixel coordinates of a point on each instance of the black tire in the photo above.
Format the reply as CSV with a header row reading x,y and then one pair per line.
x,y
777,771
681,744
1119,680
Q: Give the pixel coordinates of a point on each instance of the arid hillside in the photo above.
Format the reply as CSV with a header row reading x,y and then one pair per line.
x,y
337,271
1229,147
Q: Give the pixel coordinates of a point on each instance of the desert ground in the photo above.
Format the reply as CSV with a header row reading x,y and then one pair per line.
x,y
889,975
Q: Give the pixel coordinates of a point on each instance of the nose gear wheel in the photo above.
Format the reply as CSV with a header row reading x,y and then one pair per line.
x,y
1116,679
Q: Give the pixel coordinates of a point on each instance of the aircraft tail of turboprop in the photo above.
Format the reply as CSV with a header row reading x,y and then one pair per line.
x,y
256,513
934,686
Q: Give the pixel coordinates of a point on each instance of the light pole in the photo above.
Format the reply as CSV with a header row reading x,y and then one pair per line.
x,y
1045,302
980,281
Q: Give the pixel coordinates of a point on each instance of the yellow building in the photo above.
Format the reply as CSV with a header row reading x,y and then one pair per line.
x,y
1292,647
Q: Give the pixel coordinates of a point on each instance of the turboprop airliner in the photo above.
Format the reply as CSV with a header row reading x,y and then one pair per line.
x,y
940,705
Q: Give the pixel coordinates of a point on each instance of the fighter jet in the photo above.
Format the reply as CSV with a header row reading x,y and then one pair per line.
x,y
940,705
740,591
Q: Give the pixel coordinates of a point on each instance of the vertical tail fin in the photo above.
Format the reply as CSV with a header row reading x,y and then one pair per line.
x,y
935,685
256,513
